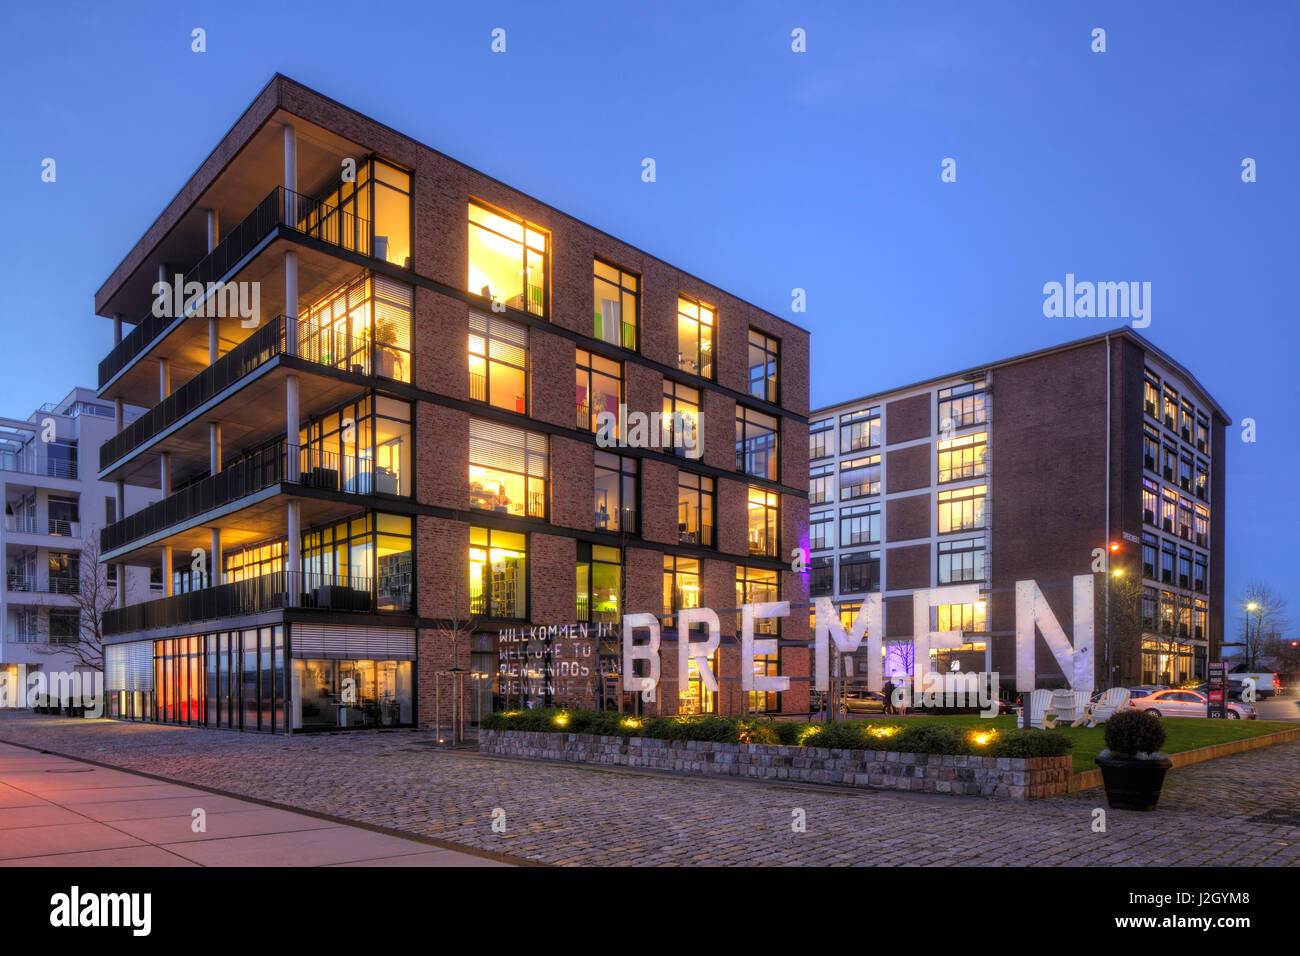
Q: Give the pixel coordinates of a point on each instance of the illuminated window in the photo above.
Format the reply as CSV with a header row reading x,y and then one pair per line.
x,y
1185,418
497,573
754,586
1170,408
507,259
961,509
820,438
370,215
1184,518
1202,527
821,485
1202,480
820,533
1202,434
600,583
1151,395
498,362
960,617
507,469
764,353
681,584
617,298
1168,508
615,504
599,390
1200,614
961,560
860,430
859,525
859,477
962,406
961,458
695,322
763,522
363,327
695,509
1150,449
363,447
682,425
1150,500
756,443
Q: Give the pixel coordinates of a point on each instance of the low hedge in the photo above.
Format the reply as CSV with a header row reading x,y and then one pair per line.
x,y
903,737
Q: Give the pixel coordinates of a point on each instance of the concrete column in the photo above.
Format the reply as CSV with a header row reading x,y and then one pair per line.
x,y
290,157
214,341
121,498
121,585
164,378
291,303
120,487
165,473
291,464
214,448
295,585
119,421
117,329
214,556
214,223
167,571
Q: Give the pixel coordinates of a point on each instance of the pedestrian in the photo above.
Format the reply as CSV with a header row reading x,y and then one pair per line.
x,y
889,696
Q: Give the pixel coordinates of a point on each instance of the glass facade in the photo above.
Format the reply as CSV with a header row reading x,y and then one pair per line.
x,y
329,694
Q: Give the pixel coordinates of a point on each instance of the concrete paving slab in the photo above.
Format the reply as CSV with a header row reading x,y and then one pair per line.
x,y
19,842
332,844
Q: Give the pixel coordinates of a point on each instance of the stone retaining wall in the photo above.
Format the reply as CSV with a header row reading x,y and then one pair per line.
x,y
1008,778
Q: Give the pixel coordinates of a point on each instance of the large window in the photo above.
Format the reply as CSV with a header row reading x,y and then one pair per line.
x,y
821,437
615,505
65,625
1202,434
859,525
960,617
370,553
600,583
599,389
1170,408
695,509
507,259
1202,480
363,327
393,562
352,693
961,458
821,575
617,298
860,572
498,362
1202,526
498,583
695,323
962,406
859,477
764,354
1200,573
756,443
681,585
371,215
507,469
821,533
821,485
961,509
363,447
1150,449
764,522
860,430
682,424
1168,508
755,586
1150,500
1151,395
961,561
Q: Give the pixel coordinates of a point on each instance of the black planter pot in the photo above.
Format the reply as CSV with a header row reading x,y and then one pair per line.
x,y
1133,784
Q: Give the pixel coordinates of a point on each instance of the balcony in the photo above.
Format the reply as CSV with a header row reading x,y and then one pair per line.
x,y
31,463
270,592
55,527
281,208
55,584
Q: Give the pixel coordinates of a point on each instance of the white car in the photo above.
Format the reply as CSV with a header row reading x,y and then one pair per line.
x,y
1186,703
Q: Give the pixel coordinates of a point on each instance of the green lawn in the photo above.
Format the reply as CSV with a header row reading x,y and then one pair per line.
x,y
1184,733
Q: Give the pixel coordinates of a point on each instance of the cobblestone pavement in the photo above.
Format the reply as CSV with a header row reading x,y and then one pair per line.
x,y
1211,813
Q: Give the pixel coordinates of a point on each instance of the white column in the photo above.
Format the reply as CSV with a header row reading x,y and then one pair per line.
x,y
214,223
119,423
295,584
167,571
214,448
117,329
120,487
214,575
291,303
291,464
164,378
214,341
165,473
290,158
121,584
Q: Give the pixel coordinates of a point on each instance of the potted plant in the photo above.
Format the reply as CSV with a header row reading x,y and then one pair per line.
x,y
1132,767
386,359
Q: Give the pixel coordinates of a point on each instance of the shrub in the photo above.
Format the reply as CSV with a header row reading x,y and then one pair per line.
x,y
842,735
1132,732
788,732
928,739
1024,742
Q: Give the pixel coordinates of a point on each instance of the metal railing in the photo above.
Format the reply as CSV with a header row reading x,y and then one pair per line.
x,y
55,584
281,207
27,464
22,524
268,592
63,528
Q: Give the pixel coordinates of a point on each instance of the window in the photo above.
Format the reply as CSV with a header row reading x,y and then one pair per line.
x,y
764,352
860,430
497,573
1201,530
1200,615
682,426
961,561
616,493
1150,500
821,577
859,477
961,509
1168,556
860,525
754,586
1168,507
1150,546
960,617
498,362
820,535
1151,395
1185,418
1202,434
695,323
64,572
763,522
1168,612
1170,408
507,259
63,516
1169,462
507,469
961,458
363,327
600,583
1150,449
394,570
110,509
1200,573
859,572
821,485
617,299
962,406
599,389
1184,518
363,447
377,204
370,552
681,585
65,625
1185,472
1148,606
695,509
819,439
756,443
1202,480
1184,568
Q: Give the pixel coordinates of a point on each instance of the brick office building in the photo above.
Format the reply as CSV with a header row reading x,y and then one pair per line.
x,y
390,472
1021,469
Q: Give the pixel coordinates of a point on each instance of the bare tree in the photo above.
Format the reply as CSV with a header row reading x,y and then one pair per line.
x,y
1126,627
95,595
1264,615
460,626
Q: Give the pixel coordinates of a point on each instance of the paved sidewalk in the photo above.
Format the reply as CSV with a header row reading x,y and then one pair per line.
x,y
60,812
1236,810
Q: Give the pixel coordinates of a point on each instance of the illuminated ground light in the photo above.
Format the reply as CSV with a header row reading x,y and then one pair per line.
x,y
983,737
808,731
561,719
883,731
630,722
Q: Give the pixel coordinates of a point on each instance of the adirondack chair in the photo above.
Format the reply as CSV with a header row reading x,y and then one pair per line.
x,y
1082,708
1113,700
1039,704
1063,705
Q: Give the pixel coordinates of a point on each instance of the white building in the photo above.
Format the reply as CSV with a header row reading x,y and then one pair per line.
x,y
54,507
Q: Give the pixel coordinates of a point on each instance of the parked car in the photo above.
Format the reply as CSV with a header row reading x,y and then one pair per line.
x,y
1234,689
1187,703
1266,682
864,702
1142,690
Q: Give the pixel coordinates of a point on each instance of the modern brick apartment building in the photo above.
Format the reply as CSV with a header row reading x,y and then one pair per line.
x,y
379,464
1032,468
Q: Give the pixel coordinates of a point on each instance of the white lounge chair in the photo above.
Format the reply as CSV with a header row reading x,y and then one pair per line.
x,y
1082,708
1063,705
1113,700
1039,704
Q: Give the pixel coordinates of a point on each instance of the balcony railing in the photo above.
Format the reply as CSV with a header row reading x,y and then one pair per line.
x,y
63,528
266,593
55,584
282,207
308,467
31,464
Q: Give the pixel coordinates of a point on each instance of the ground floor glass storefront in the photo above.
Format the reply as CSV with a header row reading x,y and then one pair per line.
x,y
328,694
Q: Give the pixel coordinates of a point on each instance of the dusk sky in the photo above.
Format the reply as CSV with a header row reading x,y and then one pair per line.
x,y
776,170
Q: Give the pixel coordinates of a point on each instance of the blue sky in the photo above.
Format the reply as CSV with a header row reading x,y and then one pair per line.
x,y
775,170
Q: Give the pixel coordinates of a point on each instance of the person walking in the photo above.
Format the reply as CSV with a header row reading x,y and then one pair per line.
x,y
888,691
